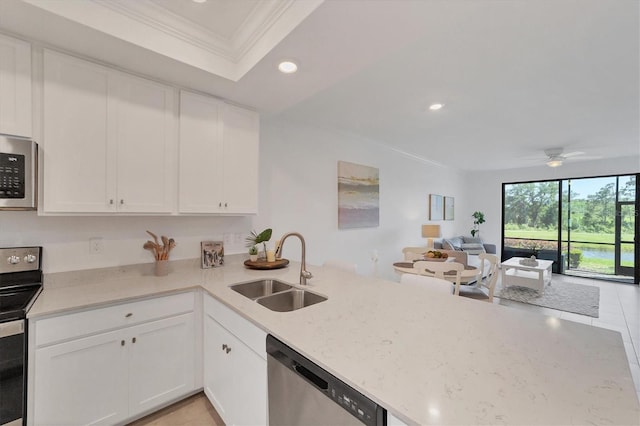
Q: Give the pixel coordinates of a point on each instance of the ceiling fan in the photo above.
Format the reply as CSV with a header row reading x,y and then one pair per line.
x,y
556,157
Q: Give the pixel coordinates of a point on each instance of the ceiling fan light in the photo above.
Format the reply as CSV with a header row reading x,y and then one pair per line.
x,y
554,162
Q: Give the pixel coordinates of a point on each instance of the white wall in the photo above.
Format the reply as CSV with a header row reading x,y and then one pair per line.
x,y
299,193
65,240
485,188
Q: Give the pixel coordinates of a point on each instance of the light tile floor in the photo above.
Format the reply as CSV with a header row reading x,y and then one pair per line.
x,y
193,411
619,310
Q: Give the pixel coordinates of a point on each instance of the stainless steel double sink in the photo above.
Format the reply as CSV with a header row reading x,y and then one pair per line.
x,y
277,295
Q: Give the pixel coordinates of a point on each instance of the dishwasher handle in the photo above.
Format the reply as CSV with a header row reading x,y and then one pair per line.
x,y
318,381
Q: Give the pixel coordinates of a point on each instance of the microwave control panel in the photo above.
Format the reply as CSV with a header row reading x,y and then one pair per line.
x,y
12,175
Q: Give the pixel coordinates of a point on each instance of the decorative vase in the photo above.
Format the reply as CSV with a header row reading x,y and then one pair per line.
x,y
161,268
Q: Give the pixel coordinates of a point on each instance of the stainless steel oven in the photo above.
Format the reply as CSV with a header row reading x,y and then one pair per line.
x,y
20,285
18,173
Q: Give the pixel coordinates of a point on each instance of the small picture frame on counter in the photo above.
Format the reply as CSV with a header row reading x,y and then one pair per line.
x,y
211,254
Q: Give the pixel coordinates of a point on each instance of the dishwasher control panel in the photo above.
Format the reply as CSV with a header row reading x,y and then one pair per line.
x,y
365,412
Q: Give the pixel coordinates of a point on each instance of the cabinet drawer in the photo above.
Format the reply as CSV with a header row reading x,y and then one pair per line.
x,y
244,330
84,323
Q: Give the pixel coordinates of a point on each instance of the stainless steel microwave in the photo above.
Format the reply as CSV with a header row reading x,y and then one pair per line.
x,y
18,173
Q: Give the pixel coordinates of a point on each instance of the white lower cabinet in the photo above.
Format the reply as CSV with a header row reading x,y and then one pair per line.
x,y
111,376
161,362
235,366
82,382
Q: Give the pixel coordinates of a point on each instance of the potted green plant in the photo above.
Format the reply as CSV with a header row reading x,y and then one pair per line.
x,y
478,219
254,239
253,253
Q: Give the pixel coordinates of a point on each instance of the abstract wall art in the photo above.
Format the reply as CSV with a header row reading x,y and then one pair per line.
x,y
358,196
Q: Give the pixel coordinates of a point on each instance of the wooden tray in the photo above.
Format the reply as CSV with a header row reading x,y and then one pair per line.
x,y
263,264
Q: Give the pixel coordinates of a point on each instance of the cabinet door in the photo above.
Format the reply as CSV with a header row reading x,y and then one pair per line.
x,y
82,382
77,161
241,130
162,362
142,128
15,87
251,385
219,373
200,154
235,377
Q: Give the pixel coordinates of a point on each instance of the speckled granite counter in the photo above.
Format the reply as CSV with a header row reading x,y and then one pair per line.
x,y
426,357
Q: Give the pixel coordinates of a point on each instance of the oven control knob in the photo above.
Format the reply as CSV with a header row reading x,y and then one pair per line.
x,y
30,258
13,260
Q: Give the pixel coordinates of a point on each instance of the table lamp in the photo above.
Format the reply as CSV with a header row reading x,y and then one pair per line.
x,y
430,232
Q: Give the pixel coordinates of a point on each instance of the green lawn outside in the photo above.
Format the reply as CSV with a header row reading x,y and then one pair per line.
x,y
603,266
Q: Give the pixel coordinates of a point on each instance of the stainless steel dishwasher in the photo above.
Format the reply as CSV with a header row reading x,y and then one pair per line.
x,y
301,393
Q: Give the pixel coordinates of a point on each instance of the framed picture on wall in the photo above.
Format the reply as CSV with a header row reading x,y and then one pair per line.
x,y
358,196
448,208
436,207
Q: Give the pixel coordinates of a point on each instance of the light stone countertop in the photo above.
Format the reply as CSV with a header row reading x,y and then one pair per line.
x,y
428,358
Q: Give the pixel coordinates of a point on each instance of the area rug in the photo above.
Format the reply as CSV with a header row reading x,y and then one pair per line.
x,y
563,296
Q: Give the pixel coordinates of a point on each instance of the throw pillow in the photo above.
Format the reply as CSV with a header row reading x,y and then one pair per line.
x,y
471,240
452,244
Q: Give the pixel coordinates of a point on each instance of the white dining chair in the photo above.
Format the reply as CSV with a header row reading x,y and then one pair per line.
x,y
486,280
413,253
430,283
438,269
341,264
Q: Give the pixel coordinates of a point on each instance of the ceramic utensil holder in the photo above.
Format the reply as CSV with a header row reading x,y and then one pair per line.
x,y
161,268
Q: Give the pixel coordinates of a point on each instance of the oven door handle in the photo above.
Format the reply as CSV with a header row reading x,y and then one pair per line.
x,y
11,328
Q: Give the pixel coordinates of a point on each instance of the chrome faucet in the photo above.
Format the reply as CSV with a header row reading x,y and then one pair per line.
x,y
304,274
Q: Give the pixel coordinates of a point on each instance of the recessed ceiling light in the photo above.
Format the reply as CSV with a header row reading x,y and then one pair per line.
x,y
435,107
287,67
199,1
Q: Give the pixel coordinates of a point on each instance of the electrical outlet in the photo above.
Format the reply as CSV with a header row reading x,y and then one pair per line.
x,y
96,245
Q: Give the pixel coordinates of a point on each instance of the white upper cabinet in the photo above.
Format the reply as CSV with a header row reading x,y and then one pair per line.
x,y
15,87
144,135
109,140
200,153
78,162
240,153
219,150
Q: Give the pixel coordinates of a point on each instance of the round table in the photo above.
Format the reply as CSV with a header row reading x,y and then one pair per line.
x,y
469,275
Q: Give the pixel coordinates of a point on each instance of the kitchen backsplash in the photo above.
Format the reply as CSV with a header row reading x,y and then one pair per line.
x,y
66,241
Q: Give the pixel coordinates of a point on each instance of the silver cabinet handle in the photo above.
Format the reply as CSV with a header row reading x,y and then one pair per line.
x,y
129,315
122,343
220,204
111,201
224,346
225,204
133,340
228,349
121,201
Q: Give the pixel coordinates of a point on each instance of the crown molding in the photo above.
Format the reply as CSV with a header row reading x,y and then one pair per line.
x,y
152,15
150,26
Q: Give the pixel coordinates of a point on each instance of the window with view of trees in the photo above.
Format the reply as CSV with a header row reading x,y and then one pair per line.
x,y
585,224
